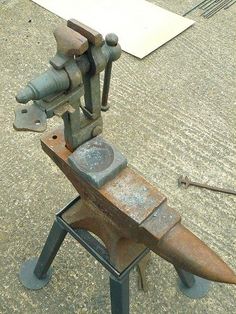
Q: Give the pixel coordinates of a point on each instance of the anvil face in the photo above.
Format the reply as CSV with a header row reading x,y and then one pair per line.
x,y
97,161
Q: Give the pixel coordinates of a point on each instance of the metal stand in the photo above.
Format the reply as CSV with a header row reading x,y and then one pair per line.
x,y
36,273
191,285
119,292
28,277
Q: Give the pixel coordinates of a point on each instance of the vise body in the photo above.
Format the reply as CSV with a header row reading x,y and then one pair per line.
x,y
71,87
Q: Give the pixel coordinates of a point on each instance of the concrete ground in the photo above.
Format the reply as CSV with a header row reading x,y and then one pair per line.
x,y
172,113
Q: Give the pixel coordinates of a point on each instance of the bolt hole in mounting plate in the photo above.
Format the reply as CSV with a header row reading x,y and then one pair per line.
x,y
30,118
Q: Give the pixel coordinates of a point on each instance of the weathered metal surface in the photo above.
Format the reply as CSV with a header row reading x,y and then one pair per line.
x,y
162,220
93,36
186,183
50,82
120,199
133,195
30,118
86,215
130,215
183,249
69,42
112,41
81,56
61,110
97,161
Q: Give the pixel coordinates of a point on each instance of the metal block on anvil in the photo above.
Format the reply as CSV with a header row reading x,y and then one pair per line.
x,y
97,161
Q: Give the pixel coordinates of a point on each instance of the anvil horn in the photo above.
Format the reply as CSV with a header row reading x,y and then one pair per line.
x,y
183,249
197,257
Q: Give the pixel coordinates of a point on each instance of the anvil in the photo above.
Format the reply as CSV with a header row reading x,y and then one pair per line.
x,y
128,213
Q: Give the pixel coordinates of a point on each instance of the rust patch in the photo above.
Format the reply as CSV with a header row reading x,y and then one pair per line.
x,y
133,195
161,221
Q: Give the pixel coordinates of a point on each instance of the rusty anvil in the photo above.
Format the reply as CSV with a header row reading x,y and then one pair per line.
x,y
117,204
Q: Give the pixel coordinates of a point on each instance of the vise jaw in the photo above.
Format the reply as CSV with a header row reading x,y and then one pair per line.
x,y
71,87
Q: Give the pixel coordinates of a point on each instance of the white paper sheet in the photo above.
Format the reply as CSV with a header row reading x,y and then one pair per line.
x,y
140,25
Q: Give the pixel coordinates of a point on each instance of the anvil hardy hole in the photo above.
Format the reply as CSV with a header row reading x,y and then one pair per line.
x,y
37,122
24,111
54,137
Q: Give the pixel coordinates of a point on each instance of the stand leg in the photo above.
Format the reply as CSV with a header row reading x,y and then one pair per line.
x,y
191,285
186,278
141,267
119,291
36,273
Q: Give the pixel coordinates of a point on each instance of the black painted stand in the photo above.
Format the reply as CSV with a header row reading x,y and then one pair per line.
x,y
36,273
191,285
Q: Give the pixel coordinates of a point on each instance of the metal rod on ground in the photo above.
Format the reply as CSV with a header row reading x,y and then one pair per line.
x,y
229,5
212,6
196,6
206,5
187,182
213,12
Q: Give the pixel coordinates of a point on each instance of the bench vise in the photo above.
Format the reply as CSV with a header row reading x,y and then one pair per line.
x,y
71,87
